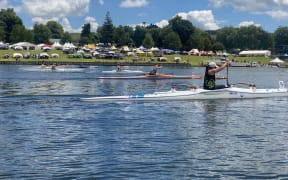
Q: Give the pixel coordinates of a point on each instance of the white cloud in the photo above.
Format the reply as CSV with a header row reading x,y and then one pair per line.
x,y
278,14
248,23
134,3
41,20
43,11
55,8
101,2
277,9
217,3
162,23
248,5
4,4
142,14
93,23
67,26
202,19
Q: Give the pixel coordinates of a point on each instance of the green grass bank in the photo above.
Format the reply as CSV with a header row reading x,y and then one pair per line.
x,y
143,60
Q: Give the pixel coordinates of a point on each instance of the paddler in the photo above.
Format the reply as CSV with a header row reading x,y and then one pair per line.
x,y
154,70
53,66
210,77
119,68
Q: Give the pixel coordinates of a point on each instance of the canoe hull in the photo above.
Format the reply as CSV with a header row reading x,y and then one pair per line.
x,y
123,72
196,94
146,76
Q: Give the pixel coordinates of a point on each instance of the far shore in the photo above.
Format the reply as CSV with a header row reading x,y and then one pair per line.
x,y
89,63
142,60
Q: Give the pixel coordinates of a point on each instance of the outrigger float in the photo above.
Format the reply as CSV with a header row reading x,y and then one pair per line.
x,y
124,71
231,92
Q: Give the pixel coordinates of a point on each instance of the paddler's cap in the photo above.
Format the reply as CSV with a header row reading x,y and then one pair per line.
x,y
213,65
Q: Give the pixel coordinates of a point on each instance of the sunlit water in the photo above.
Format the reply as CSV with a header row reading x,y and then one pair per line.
x,y
46,132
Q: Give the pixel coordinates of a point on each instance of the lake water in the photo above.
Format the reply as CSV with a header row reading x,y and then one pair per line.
x,y
46,132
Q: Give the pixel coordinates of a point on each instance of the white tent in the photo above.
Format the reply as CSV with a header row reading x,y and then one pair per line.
x,y
276,61
25,45
69,46
17,55
193,52
56,45
265,53
44,56
155,49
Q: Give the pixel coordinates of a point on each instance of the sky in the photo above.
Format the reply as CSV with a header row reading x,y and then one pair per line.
x,y
204,14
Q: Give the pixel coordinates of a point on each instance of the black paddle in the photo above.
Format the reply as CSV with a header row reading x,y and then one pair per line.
x,y
227,72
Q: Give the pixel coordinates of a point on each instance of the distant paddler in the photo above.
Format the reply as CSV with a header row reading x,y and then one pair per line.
x,y
154,70
53,66
119,67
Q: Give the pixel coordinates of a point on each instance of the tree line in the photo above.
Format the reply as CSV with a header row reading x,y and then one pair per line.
x,y
179,34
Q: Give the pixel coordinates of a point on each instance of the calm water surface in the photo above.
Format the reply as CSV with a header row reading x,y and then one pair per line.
x,y
47,133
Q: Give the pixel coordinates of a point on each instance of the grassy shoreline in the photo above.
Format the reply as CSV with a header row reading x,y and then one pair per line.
x,y
186,60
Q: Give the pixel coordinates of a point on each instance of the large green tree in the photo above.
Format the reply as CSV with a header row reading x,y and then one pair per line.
x,y
123,35
85,36
148,41
228,37
56,29
157,35
183,28
66,37
19,33
281,36
2,31
9,19
41,34
139,35
252,37
107,30
200,39
171,40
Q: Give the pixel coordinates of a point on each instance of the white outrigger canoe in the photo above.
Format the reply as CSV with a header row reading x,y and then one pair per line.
x,y
198,94
124,71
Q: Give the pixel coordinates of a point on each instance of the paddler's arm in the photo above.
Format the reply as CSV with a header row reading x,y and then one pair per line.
x,y
214,71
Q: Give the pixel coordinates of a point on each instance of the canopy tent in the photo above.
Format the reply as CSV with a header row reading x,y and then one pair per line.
x,y
69,46
90,46
17,55
142,48
54,55
155,49
138,51
193,52
113,47
265,53
46,47
43,56
24,45
56,45
276,61
125,49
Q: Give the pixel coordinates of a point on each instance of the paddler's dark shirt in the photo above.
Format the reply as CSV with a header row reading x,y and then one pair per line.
x,y
153,72
209,80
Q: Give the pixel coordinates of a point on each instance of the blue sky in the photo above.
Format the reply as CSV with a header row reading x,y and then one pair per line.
x,y
204,14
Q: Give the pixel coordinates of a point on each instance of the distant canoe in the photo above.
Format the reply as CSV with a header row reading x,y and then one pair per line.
x,y
158,76
123,71
49,69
